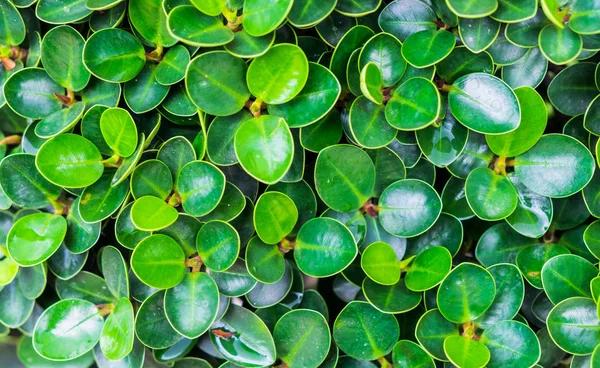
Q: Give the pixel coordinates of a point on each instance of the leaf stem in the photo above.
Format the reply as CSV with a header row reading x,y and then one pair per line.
x,y
255,107
174,200
112,161
105,309
500,166
285,245
11,140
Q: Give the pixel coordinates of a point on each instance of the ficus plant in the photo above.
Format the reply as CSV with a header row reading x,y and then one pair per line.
x,y
299,183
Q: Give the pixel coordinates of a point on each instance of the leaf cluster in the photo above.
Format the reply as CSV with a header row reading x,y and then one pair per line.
x,y
299,183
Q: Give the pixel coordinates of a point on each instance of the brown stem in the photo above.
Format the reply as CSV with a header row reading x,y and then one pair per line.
x,y
285,245
370,209
174,200
8,63
445,87
222,334
255,107
194,262
11,140
105,309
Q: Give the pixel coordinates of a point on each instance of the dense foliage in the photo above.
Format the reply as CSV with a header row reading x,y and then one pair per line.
x,y
299,183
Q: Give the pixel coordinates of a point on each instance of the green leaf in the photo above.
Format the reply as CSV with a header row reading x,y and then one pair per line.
x,y
153,178
313,102
407,354
491,196
119,131
560,45
584,17
273,85
324,247
59,121
264,147
323,133
58,12
34,238
161,214
566,276
352,40
557,166
380,263
414,105
67,330
504,52
443,143
192,27
534,212
344,177
116,339
510,292
86,286
231,206
159,262
531,127
510,11
30,92
218,245
24,185
144,93
368,125
176,153
426,48
151,325
371,83
63,46
462,61
120,62
171,68
307,13
511,343
192,306
459,303
447,232
409,207
529,70
15,307
125,231
211,7
526,33
384,50
150,21
15,34
242,338
454,199
365,333
465,352
246,46
428,269
403,18
225,92
27,355
395,298
265,262
478,34
275,216
465,8
201,186
262,17
574,326
484,104
306,346
572,90
114,269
